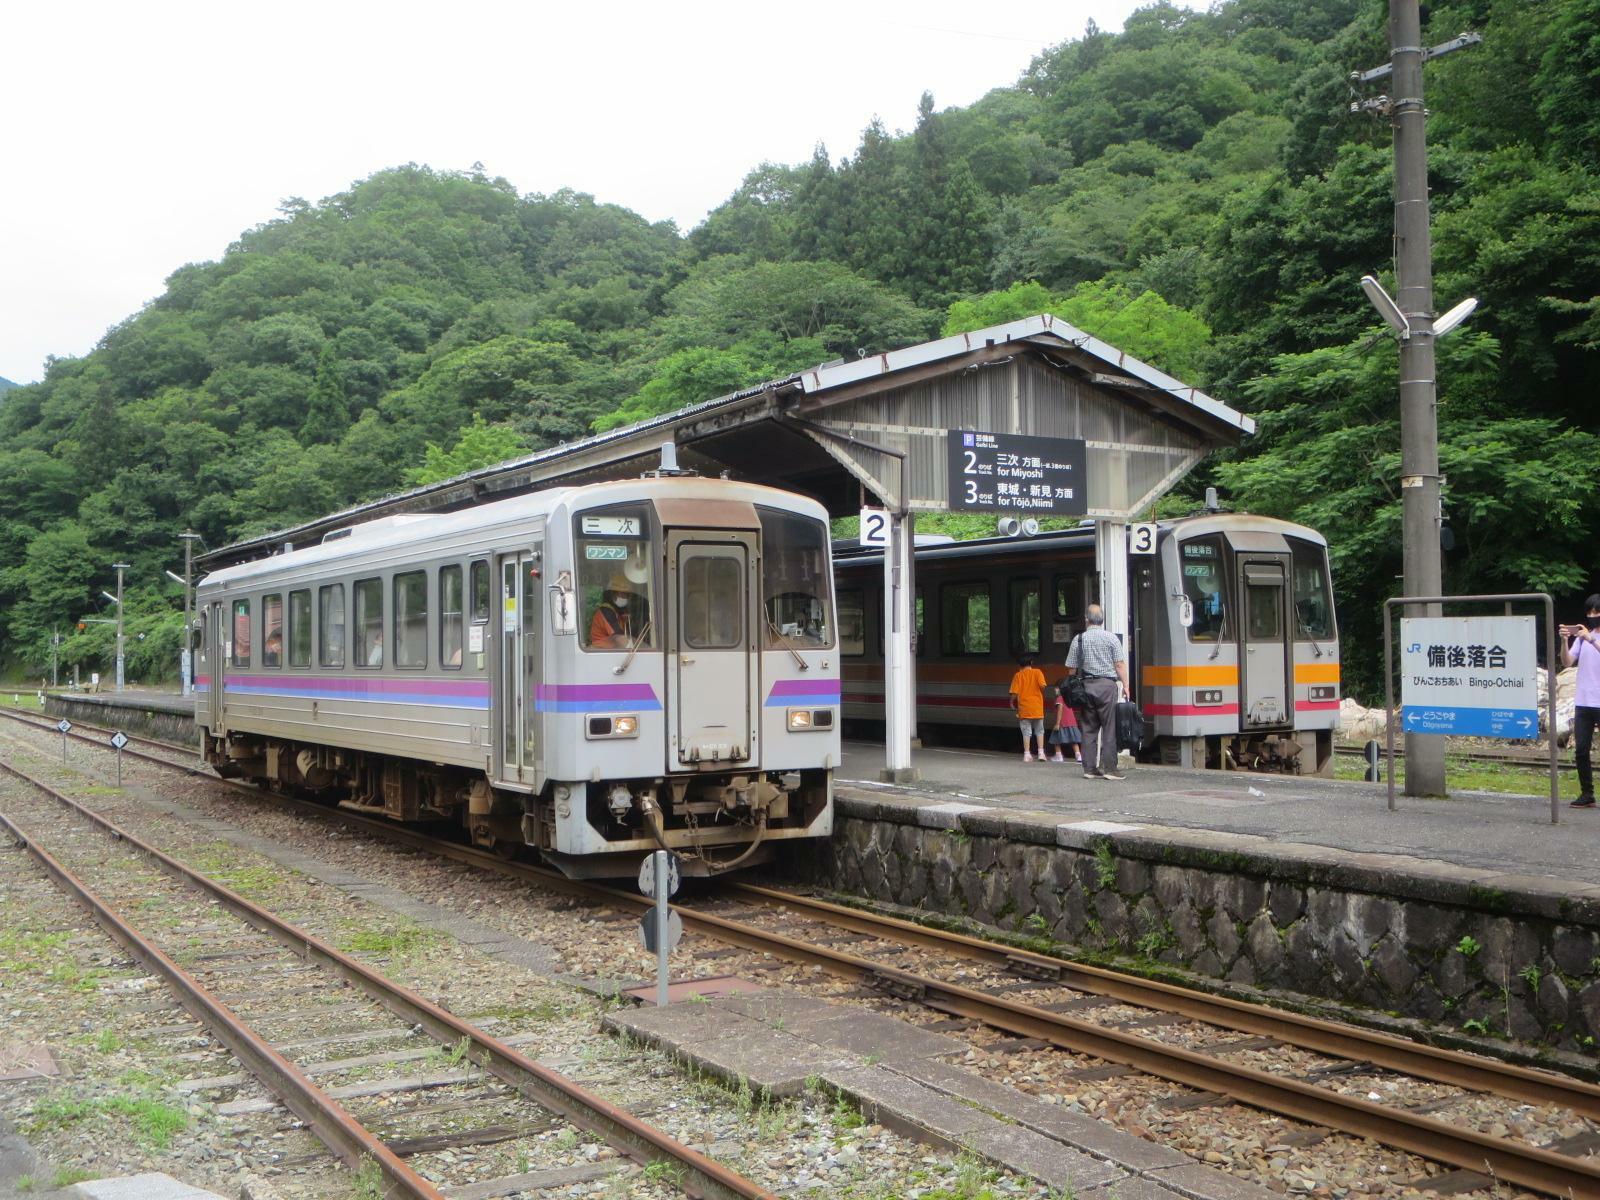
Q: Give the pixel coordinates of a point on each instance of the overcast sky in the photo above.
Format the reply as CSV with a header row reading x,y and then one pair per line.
x,y
138,137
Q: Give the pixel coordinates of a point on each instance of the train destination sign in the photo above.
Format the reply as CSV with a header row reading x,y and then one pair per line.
x,y
1476,676
1014,473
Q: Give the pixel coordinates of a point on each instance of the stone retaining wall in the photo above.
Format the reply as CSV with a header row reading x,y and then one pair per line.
x,y
1480,952
171,720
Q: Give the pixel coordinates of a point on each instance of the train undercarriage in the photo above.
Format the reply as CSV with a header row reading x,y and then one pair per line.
x,y
716,821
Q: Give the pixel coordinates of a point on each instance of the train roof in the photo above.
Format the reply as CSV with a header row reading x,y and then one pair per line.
x,y
848,554
418,530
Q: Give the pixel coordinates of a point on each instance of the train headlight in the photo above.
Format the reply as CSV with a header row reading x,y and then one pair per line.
x,y
802,720
1208,696
625,726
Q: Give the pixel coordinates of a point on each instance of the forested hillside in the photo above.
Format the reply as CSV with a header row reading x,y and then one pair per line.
x,y
1192,189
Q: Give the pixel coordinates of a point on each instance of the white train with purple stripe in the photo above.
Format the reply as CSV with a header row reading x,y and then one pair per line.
x,y
594,672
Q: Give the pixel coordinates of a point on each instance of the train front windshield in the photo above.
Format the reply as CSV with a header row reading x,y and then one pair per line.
x,y
796,584
1203,575
614,578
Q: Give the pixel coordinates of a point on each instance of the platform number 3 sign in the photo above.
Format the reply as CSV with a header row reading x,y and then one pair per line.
x,y
875,527
1142,538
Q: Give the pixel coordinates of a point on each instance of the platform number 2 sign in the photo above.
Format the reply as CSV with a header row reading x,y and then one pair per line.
x,y
875,527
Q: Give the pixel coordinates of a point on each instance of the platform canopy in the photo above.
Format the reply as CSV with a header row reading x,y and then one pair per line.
x,y
876,428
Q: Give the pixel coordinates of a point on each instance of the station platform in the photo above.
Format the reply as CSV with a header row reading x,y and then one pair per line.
x,y
1487,831
1471,917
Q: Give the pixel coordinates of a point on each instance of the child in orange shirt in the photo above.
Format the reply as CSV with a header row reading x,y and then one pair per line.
x,y
1027,700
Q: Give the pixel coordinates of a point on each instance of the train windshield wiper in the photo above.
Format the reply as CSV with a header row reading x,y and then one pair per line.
x,y
778,633
644,636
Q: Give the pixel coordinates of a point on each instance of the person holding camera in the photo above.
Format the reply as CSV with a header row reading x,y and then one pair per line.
x,y
1581,648
1099,656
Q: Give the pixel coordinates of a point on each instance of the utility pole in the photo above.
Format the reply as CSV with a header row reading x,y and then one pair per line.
x,y
55,648
185,656
121,567
1419,425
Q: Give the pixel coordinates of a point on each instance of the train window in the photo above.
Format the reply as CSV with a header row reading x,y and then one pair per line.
x,y
480,592
1025,616
1313,604
300,628
1264,609
612,547
411,619
1068,610
241,633
713,616
452,627
794,579
964,618
272,630
852,624
1202,561
330,604
368,596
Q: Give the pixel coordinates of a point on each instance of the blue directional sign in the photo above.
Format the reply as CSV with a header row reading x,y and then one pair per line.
x,y
1472,676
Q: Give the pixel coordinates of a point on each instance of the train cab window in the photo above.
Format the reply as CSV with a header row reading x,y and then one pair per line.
x,y
794,580
713,617
852,624
452,623
1201,560
480,592
612,548
411,620
330,606
272,630
1025,616
300,628
1313,604
241,633
368,596
964,618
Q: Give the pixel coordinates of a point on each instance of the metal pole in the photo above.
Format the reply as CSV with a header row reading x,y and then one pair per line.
x,y
663,917
1419,429
1388,693
187,667
121,567
119,768
55,648
1550,668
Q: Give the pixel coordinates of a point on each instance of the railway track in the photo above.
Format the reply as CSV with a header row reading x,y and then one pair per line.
x,y
526,1096
1059,991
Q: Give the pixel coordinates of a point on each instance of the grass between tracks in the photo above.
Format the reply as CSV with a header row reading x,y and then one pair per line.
x,y
1467,775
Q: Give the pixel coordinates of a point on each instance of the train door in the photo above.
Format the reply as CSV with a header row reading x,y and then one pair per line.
x,y
215,664
1264,682
519,666
711,672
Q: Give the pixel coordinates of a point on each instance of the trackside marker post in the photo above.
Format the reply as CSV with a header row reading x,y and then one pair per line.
x,y
119,740
65,726
660,928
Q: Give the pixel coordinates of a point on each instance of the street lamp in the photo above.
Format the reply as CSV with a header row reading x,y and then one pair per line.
x,y
185,659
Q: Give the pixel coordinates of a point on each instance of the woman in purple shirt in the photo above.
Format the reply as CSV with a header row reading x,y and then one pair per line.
x,y
1583,650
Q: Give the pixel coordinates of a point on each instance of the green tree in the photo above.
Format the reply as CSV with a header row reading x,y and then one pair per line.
x,y
479,445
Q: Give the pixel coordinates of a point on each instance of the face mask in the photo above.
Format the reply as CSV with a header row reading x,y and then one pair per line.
x,y
1592,622
621,602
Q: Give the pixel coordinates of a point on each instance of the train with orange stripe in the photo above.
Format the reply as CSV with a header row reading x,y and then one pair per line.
x,y
1233,651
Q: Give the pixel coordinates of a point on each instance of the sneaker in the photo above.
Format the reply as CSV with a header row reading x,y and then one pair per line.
x,y
1113,775
1058,758
1582,802
1093,775
1027,758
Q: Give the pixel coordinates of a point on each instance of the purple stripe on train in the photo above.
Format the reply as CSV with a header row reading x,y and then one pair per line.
x,y
451,693
803,691
596,697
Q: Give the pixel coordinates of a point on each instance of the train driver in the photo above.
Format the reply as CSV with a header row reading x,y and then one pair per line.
x,y
612,625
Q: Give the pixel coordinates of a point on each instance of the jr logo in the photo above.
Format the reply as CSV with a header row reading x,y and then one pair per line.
x,y
1414,648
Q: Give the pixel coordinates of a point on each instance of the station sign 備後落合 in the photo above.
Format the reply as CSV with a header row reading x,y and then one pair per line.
x,y
1472,676
1007,472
